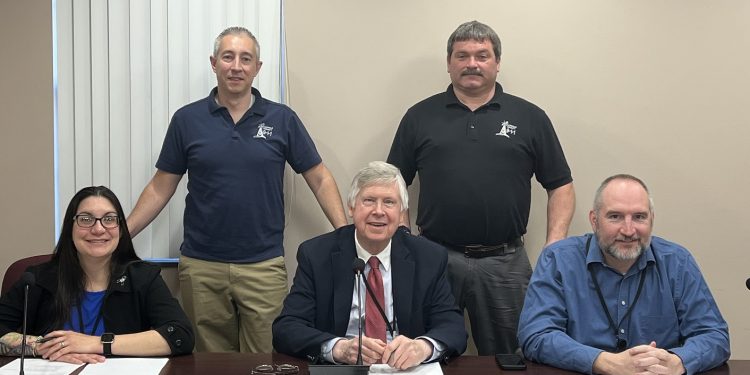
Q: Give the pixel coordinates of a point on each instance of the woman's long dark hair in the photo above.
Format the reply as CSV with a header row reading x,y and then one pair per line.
x,y
71,280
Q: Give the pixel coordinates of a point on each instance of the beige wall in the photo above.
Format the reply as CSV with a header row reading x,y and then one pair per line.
x,y
653,88
27,221
656,89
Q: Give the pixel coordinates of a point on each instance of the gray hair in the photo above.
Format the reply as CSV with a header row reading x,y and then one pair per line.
x,y
378,173
235,30
621,176
475,30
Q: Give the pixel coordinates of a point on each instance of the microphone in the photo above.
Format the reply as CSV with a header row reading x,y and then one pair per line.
x,y
377,304
28,279
359,266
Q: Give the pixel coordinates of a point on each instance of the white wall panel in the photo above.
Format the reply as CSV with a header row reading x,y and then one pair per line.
x,y
82,173
121,78
65,105
140,102
100,92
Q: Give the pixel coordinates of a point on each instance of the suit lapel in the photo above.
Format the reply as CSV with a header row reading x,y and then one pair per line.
x,y
402,276
343,280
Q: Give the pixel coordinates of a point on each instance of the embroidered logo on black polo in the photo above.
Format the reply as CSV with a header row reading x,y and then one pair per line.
x,y
264,131
506,129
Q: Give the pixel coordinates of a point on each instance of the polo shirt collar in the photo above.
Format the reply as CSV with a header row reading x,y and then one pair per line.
x,y
452,100
258,107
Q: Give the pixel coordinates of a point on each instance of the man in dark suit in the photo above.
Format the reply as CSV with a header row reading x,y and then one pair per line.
x,y
319,317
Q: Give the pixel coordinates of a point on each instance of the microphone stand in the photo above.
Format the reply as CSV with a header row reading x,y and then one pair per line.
x,y
23,336
359,368
359,318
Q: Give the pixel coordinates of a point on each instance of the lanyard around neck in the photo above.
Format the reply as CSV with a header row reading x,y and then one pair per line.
x,y
96,322
615,328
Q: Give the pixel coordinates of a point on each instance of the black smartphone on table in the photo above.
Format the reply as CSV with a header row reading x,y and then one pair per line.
x,y
510,361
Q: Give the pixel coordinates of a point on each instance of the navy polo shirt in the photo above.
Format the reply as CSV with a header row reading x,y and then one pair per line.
x,y
475,168
234,209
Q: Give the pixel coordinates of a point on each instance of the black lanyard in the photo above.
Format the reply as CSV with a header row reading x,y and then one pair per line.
x,y
96,322
620,344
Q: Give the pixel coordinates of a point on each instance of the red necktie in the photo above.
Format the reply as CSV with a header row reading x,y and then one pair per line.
x,y
374,323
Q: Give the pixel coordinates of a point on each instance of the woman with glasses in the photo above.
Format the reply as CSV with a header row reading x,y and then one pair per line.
x,y
95,298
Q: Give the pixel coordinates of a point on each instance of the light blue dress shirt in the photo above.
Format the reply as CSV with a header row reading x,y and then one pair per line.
x,y
563,323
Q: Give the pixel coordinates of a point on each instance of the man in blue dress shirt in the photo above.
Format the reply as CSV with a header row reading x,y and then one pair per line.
x,y
620,301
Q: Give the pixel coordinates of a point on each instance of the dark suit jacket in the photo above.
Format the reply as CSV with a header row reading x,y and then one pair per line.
x,y
318,305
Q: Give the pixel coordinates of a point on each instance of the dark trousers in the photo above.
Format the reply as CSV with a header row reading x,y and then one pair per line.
x,y
492,291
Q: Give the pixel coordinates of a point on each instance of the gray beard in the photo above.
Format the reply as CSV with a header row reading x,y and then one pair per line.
x,y
611,250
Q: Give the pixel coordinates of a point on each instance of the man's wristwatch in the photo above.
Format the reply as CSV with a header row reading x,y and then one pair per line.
x,y
107,340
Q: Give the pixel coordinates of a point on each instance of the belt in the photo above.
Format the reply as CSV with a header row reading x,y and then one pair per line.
x,y
482,251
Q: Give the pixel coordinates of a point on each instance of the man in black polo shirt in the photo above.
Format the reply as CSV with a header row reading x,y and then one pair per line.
x,y
475,149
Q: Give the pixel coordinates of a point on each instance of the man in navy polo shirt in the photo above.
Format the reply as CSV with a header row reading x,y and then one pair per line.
x,y
476,148
234,145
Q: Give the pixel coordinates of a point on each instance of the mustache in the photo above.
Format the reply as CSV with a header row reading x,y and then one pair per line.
x,y
631,238
471,72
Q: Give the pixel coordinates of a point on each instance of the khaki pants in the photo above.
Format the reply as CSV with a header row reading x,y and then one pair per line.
x,y
232,305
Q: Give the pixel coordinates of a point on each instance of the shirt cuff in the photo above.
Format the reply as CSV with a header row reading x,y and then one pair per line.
x,y
438,349
326,349
683,353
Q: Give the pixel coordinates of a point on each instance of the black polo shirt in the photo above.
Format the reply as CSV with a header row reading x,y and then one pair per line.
x,y
475,168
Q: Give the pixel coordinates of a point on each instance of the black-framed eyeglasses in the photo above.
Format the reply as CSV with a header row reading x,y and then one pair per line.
x,y
88,221
282,369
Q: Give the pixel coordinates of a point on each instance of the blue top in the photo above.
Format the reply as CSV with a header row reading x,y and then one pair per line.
x,y
89,314
563,323
234,209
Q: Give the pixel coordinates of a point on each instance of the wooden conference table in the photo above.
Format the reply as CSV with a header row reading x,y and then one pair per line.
x,y
243,363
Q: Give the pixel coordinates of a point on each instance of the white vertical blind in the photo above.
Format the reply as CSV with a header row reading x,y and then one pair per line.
x,y
124,67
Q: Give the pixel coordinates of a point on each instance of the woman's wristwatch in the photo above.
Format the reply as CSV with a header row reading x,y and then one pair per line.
x,y
107,340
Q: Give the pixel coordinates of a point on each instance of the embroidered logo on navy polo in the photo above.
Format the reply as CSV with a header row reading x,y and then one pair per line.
x,y
506,129
264,131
